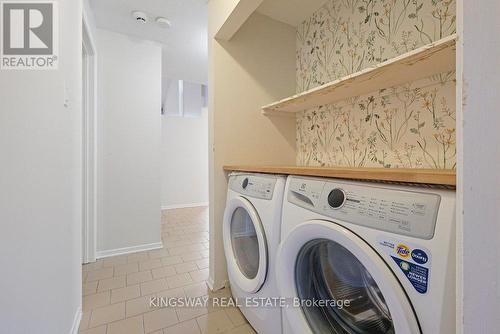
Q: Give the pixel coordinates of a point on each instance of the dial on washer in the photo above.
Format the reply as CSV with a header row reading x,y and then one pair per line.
x,y
336,198
245,183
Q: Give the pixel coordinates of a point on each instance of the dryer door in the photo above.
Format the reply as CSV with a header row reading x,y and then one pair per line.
x,y
323,261
245,245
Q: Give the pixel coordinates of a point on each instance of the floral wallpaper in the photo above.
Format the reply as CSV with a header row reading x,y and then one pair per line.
x,y
409,126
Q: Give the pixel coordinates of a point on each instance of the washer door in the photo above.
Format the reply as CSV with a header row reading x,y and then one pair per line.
x,y
321,260
245,245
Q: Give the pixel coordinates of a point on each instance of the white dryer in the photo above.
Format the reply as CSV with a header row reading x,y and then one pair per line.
x,y
251,233
380,257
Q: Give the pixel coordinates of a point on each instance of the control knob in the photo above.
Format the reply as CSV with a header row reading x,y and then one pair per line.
x,y
336,198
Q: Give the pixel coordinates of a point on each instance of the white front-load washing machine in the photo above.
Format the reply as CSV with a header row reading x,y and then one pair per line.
x,y
367,258
251,233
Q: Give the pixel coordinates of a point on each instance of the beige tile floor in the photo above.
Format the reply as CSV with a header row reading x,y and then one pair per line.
x,y
117,290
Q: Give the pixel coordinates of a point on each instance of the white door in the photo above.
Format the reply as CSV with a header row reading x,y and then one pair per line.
x,y
321,260
245,245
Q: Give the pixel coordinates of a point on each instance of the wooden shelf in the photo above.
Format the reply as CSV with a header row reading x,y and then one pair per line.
x,y
430,59
420,176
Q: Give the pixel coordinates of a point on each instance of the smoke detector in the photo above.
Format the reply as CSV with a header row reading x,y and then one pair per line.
x,y
163,22
140,17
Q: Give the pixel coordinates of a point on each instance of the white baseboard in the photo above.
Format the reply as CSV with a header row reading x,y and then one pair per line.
x,y
210,283
182,206
212,287
128,250
76,321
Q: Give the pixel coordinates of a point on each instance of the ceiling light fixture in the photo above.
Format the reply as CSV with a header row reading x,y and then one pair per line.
x,y
140,17
163,22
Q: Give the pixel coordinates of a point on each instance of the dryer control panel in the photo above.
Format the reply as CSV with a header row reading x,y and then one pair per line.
x,y
402,212
252,185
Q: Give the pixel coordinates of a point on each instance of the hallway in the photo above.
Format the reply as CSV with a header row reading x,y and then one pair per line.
x,y
117,290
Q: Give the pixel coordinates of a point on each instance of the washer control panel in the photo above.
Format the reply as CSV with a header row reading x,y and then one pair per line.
x,y
253,186
402,212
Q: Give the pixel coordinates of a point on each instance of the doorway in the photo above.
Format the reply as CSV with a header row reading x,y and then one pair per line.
x,y
89,70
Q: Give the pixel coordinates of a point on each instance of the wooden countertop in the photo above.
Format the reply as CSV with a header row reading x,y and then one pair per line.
x,y
419,176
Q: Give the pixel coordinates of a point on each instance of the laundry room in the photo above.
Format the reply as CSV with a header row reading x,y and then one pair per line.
x,y
349,118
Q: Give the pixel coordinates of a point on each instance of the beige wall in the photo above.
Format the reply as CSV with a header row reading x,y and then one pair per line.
x,y
129,138
184,159
255,67
219,11
40,189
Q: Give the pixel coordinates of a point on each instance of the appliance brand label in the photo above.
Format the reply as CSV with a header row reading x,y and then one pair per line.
x,y
414,261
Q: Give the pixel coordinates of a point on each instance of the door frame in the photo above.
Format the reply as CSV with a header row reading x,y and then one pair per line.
x,y
89,143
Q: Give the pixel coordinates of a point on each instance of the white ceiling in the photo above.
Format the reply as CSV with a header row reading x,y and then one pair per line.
x,y
185,48
292,12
